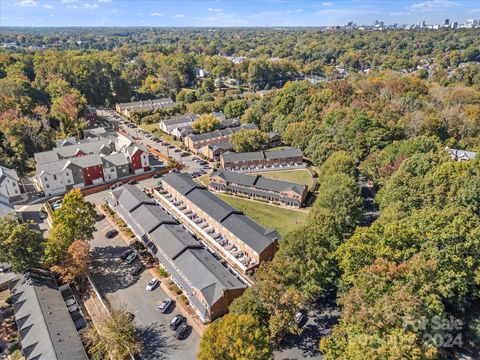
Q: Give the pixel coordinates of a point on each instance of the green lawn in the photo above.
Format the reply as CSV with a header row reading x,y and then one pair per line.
x,y
269,216
300,176
204,179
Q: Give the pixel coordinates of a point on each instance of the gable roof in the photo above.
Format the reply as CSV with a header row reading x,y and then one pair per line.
x,y
262,155
259,182
8,173
130,197
247,230
220,132
46,329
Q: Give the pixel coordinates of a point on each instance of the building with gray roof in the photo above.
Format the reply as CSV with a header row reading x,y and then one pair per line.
x,y
9,185
256,242
261,159
258,187
46,328
209,286
141,106
79,163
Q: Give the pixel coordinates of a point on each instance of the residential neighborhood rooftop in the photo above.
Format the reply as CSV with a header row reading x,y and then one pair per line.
x,y
46,329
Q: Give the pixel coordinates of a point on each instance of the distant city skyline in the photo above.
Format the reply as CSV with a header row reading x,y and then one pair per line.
x,y
232,13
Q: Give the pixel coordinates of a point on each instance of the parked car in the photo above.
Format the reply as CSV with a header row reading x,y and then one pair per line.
x,y
183,154
126,253
132,182
181,332
299,317
137,269
130,258
99,216
176,322
152,284
163,307
177,150
42,215
156,176
111,233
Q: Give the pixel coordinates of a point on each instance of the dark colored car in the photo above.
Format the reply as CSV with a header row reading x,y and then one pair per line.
x,y
126,253
111,233
156,176
99,216
137,269
132,182
181,332
176,322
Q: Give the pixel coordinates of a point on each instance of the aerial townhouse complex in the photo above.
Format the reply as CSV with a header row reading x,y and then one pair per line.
x,y
203,143
209,286
139,106
237,238
47,327
76,164
181,125
259,188
254,161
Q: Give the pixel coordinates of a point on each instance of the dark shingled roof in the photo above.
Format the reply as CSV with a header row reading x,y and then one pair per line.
x,y
261,155
232,219
259,182
130,197
149,217
46,329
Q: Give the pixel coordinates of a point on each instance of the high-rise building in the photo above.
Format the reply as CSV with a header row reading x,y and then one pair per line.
x,y
447,22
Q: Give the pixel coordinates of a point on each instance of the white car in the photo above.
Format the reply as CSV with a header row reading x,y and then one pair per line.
x,y
130,258
165,305
152,284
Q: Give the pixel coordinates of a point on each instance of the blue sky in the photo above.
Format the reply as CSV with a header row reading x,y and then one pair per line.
x,y
231,12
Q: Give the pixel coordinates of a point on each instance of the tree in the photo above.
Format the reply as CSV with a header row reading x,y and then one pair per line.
x,y
68,109
75,220
114,335
307,254
379,311
206,123
340,194
21,246
76,262
236,337
235,108
248,140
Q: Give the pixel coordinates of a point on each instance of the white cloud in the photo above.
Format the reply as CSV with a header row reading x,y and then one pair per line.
x,y
215,10
90,6
104,1
475,11
433,5
26,3
47,6
327,3
69,1
156,14
177,16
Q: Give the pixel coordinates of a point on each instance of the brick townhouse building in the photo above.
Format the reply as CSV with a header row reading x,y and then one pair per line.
x,y
260,188
209,286
261,159
247,240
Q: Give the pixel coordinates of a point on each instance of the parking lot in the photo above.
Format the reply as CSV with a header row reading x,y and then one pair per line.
x,y
115,282
189,165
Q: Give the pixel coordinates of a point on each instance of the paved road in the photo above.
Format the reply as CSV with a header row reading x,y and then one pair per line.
x,y
189,164
113,279
319,323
